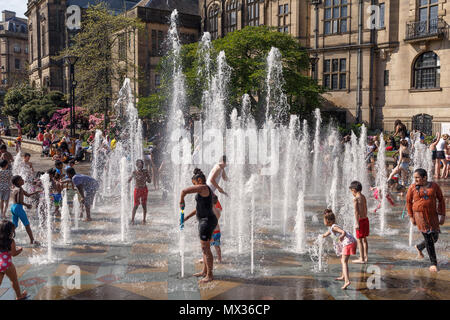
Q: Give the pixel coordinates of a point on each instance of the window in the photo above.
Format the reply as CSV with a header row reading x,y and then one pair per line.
x,y
335,74
161,36
230,16
157,82
283,18
427,71
122,47
17,48
43,42
336,15
253,12
213,21
17,63
26,49
428,15
154,42
32,46
386,78
382,15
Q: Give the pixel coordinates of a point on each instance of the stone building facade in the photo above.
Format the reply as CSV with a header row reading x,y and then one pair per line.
x,y
381,60
145,48
48,35
13,50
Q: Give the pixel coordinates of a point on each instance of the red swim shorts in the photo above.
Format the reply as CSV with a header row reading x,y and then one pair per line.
x,y
140,196
349,249
363,230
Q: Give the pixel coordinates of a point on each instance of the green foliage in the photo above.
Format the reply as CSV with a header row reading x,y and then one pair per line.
x,y
99,64
45,107
17,97
150,107
246,52
29,105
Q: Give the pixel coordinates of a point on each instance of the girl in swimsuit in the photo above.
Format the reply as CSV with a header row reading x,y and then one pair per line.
x,y
207,220
8,250
403,162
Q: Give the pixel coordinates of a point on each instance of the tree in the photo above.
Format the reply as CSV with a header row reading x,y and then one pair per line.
x,y
246,52
38,108
17,97
99,46
29,105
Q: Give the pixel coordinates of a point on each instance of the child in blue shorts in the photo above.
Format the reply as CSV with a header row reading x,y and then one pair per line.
x,y
215,242
17,207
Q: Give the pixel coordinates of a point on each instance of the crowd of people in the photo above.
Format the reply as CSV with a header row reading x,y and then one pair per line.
x,y
424,199
26,192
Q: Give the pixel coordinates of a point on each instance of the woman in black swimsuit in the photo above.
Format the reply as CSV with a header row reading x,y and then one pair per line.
x,y
207,220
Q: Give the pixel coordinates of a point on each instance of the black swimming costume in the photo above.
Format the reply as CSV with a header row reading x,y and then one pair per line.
x,y
207,220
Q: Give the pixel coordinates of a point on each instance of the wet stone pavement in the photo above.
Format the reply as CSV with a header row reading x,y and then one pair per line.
x,y
147,264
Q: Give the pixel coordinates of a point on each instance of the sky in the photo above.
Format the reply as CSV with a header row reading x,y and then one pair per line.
x,y
19,6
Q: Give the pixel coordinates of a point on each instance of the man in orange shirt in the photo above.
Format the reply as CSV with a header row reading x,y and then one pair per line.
x,y
424,213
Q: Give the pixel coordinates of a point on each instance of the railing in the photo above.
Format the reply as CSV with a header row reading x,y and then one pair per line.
x,y
425,29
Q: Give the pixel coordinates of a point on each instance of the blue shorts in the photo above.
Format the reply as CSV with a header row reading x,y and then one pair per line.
x,y
57,198
18,213
216,239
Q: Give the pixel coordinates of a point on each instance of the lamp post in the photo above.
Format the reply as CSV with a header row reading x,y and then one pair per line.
x,y
71,60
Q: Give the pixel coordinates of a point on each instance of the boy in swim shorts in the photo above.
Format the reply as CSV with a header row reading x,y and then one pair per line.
x,y
142,177
17,207
362,221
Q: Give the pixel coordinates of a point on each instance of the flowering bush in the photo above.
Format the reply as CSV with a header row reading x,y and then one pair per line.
x,y
61,119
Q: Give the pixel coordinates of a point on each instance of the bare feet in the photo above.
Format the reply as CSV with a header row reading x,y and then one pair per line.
x,y
206,279
23,296
35,243
132,222
434,269
419,253
345,285
199,274
144,222
340,279
358,261
87,219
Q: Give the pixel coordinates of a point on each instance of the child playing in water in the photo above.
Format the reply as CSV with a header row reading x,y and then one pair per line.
x,y
345,247
5,186
8,250
377,196
17,207
142,176
362,221
56,189
26,160
217,209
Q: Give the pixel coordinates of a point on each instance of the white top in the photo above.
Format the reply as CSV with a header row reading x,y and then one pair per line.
x,y
219,177
441,145
349,239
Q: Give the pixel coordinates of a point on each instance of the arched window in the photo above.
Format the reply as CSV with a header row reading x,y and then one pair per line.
x,y
427,71
231,16
213,21
252,13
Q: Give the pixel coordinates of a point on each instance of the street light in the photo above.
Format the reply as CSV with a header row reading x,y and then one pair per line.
x,y
71,60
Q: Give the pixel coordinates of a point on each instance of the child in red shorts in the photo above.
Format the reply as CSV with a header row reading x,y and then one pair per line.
x,y
142,176
361,221
345,247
